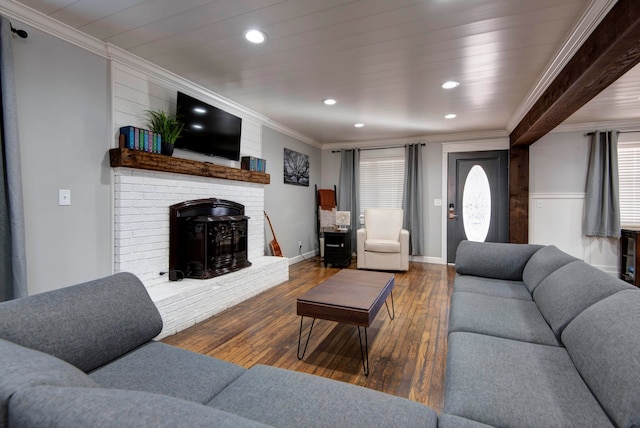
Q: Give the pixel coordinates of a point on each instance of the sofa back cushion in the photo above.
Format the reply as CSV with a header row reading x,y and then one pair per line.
x,y
542,264
572,289
604,344
22,368
87,325
493,260
48,406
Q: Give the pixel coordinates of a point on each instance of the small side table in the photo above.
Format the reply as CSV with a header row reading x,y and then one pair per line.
x,y
337,248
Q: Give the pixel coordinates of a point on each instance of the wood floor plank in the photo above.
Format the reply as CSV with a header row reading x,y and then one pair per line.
x,y
407,355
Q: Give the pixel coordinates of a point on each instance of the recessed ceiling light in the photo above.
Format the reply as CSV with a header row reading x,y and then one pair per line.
x,y
255,36
450,84
329,101
359,125
450,116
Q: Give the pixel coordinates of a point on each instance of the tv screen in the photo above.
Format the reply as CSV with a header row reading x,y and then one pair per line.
x,y
208,129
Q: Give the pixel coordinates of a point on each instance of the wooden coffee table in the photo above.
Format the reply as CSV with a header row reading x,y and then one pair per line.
x,y
351,297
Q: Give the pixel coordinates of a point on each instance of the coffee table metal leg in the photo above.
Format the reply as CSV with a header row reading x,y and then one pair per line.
x,y
392,307
364,352
300,337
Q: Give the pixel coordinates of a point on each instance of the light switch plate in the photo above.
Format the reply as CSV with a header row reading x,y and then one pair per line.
x,y
64,197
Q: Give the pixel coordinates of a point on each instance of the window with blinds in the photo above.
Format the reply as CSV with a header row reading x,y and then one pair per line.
x,y
381,179
629,177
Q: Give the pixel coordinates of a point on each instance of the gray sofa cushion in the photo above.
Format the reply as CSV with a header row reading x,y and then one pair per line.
x,y
495,316
23,368
451,421
87,324
604,344
542,264
491,287
287,398
165,369
504,382
493,260
47,406
571,289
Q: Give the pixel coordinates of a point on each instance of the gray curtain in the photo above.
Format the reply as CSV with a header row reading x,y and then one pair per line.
x,y
602,203
412,201
13,275
349,188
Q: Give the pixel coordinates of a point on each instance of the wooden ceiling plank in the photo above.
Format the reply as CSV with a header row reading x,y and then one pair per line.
x,y
608,53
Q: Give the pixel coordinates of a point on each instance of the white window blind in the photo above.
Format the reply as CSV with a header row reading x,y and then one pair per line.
x,y
629,177
381,178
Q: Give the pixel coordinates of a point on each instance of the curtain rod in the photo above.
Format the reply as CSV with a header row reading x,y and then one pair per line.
x,y
377,148
620,132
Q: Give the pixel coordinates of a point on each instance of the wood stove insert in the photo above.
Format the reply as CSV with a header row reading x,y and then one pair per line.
x,y
207,238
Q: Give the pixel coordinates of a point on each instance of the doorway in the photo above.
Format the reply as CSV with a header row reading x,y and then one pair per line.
x,y
477,198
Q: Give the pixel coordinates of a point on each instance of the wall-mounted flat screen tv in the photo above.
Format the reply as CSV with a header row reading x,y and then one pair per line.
x,y
208,129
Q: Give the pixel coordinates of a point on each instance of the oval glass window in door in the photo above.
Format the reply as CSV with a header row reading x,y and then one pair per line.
x,y
476,204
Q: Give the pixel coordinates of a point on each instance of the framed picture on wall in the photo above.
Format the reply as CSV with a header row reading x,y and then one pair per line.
x,y
296,168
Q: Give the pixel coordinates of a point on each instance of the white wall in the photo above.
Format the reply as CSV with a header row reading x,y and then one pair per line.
x,y
63,112
557,177
291,208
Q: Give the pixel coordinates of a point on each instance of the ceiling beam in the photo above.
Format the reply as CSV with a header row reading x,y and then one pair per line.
x,y
611,50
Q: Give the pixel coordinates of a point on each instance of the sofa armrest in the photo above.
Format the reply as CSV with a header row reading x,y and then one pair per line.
x,y
493,259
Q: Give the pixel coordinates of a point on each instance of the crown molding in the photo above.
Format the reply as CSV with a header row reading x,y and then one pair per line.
x,y
466,137
619,125
589,20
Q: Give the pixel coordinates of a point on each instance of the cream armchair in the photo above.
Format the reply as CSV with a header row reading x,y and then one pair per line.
x,y
382,243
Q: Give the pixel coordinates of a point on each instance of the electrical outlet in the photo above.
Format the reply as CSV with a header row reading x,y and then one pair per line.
x,y
299,244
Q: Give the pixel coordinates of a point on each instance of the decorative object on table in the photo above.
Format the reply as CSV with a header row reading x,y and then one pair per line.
x,y
169,126
253,164
135,138
296,168
343,220
275,247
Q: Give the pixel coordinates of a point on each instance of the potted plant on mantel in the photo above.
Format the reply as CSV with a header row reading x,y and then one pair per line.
x,y
168,125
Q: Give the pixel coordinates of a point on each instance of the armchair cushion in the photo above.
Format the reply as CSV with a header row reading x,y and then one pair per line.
x,y
382,246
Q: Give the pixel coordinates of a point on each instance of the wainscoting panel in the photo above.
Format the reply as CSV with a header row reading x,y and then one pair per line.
x,y
556,219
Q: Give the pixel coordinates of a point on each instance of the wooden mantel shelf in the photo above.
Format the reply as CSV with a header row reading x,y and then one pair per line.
x,y
155,162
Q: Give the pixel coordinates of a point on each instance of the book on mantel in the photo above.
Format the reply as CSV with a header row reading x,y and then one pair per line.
x,y
140,139
253,164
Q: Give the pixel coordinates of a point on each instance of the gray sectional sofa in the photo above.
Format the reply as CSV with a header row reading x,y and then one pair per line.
x,y
539,338
536,338
85,356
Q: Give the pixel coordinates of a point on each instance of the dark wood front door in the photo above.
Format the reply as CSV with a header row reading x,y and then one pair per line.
x,y
477,198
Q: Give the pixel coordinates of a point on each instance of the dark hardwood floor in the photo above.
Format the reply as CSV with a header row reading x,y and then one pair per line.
x,y
407,355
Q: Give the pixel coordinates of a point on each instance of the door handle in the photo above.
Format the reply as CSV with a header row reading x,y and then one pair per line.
x,y
452,212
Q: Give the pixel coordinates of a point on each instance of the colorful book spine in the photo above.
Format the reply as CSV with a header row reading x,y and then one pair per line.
x,y
141,139
129,138
253,164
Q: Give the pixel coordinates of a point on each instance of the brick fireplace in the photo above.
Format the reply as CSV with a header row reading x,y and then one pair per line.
x,y
142,201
